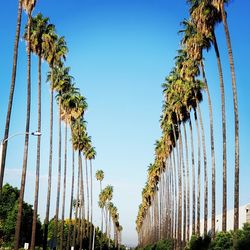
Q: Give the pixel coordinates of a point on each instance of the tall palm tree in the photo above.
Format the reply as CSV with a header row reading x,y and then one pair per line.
x,y
39,29
28,7
220,6
65,89
100,176
105,196
86,149
62,83
11,95
91,156
195,43
79,129
56,52
205,17
73,107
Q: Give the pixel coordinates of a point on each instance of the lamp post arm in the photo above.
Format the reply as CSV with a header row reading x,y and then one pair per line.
x,y
3,141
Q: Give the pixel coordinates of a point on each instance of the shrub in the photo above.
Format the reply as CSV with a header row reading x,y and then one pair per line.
x,y
199,243
164,244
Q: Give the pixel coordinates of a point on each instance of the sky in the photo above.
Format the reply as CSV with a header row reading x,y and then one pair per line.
x,y
120,53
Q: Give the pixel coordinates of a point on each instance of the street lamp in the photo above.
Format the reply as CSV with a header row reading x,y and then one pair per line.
x,y
2,142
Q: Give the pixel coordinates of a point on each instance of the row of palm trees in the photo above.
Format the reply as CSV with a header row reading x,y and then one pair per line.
x,y
165,211
43,41
109,212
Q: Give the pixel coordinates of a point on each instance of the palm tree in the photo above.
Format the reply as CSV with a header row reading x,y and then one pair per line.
x,y
205,17
65,88
78,131
55,52
62,83
28,7
11,95
39,29
219,5
195,43
99,177
86,149
104,197
73,107
91,156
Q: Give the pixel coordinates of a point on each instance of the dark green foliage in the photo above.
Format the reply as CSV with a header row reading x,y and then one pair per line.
x,y
164,244
239,240
8,214
222,241
199,243
160,245
243,238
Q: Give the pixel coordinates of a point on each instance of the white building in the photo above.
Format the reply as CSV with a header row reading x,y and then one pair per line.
x,y
244,216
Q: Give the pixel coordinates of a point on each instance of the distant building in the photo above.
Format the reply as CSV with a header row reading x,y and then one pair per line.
x,y
244,216
248,213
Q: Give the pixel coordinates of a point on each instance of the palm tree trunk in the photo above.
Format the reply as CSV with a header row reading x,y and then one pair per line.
x,y
46,221
93,245
212,150
26,144
87,188
224,205
71,199
236,122
83,225
59,171
193,177
11,95
179,191
75,233
175,201
91,205
188,182
198,174
64,188
205,170
33,235
180,208
184,190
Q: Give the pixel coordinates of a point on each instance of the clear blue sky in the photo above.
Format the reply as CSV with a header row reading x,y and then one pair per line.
x,y
120,53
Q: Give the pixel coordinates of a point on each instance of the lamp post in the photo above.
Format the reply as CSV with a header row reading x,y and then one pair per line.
x,y
36,133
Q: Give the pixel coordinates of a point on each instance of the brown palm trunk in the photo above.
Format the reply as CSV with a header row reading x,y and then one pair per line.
x,y
46,221
175,200
75,232
11,95
59,171
184,190
71,199
83,224
224,205
198,174
193,177
26,144
212,151
64,189
179,190
87,188
236,122
91,205
188,182
205,169
33,235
